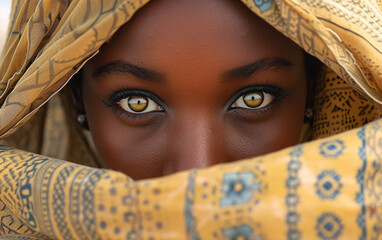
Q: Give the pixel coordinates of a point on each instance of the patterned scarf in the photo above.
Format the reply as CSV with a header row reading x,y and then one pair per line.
x,y
329,188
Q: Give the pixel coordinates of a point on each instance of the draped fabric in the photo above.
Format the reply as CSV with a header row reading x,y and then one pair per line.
x,y
325,189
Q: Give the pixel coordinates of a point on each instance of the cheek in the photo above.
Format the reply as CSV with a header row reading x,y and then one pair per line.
x,y
135,152
143,152
281,130
132,150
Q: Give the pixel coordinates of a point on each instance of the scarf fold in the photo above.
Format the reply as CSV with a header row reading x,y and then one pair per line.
x,y
329,188
50,40
326,189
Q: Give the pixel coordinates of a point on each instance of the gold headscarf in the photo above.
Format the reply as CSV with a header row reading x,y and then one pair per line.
x,y
325,189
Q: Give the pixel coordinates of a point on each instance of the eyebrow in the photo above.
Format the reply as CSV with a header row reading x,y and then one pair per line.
x,y
123,67
260,65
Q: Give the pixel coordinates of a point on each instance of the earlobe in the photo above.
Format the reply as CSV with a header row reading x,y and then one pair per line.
x,y
308,115
309,104
75,86
313,68
81,119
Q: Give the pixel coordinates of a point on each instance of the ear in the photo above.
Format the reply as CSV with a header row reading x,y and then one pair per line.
x,y
313,68
310,90
75,86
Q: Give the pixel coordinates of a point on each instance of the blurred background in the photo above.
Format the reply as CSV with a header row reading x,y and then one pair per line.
x,y
5,9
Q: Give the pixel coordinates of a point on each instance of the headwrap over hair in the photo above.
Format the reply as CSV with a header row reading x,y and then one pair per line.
x,y
329,188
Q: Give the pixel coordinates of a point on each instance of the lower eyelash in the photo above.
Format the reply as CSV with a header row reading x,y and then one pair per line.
x,y
120,113
252,114
276,92
128,116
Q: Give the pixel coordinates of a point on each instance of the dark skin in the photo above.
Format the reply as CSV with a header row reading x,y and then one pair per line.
x,y
215,82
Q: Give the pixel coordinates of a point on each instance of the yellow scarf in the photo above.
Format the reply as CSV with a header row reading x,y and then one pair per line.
x,y
326,189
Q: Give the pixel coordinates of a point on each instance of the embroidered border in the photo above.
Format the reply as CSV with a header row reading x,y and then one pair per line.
x,y
292,199
360,199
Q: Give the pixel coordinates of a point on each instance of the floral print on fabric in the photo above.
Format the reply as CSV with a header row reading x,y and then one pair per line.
x,y
328,184
329,226
263,5
289,189
45,198
332,149
240,232
238,188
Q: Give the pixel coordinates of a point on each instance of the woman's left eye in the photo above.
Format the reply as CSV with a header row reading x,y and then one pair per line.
x,y
253,100
139,104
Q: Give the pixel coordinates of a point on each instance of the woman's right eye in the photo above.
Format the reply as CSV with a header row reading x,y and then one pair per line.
x,y
139,104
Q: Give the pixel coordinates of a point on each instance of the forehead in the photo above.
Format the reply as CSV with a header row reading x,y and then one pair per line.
x,y
166,31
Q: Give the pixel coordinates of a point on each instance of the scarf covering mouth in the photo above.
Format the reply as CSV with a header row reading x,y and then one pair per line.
x,y
329,188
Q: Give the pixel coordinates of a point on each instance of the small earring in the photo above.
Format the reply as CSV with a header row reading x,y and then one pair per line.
x,y
308,113
81,118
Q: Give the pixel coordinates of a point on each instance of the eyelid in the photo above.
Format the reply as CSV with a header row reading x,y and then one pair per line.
x,y
118,95
277,92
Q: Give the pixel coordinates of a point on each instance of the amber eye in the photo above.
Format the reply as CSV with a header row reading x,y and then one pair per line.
x,y
139,105
253,100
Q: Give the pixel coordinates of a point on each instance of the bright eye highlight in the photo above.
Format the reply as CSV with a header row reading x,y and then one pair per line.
x,y
253,100
139,105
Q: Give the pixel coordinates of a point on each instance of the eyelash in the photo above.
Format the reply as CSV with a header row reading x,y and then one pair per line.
x,y
274,91
116,96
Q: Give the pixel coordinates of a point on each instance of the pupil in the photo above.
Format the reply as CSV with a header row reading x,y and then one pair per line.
x,y
253,99
138,103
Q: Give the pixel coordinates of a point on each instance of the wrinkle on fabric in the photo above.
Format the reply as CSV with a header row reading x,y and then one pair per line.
x,y
325,189
328,188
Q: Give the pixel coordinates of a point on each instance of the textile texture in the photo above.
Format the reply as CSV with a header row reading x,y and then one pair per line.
x,y
329,188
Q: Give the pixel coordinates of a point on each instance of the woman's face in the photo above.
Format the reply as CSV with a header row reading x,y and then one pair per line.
x,y
189,84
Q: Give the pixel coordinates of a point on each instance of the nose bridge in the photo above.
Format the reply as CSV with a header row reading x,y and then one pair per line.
x,y
197,143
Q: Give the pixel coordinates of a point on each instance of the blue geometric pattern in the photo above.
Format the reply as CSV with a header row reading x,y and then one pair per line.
x,y
263,5
88,210
242,232
293,217
332,149
25,190
190,220
328,184
329,226
360,179
292,199
59,202
292,182
45,177
238,188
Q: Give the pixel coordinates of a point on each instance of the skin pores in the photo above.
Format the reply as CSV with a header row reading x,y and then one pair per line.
x,y
188,84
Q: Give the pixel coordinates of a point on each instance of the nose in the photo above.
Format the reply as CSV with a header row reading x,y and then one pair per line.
x,y
196,142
